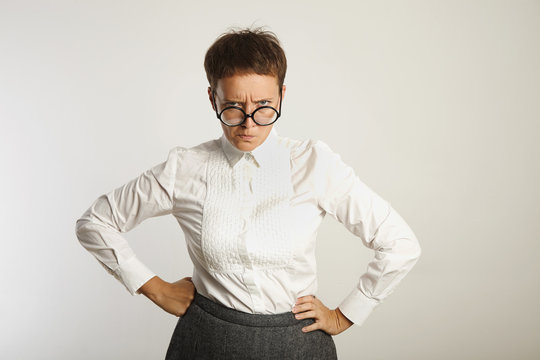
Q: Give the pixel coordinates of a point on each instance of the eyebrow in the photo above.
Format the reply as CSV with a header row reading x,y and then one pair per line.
x,y
270,98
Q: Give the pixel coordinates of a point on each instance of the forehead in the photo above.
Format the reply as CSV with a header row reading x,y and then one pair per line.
x,y
248,84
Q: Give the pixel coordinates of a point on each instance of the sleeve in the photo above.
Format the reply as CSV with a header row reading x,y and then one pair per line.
x,y
98,230
365,214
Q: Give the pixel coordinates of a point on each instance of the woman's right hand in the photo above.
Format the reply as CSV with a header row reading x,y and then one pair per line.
x,y
175,298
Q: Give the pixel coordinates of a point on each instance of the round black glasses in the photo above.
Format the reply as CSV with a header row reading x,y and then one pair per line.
x,y
235,116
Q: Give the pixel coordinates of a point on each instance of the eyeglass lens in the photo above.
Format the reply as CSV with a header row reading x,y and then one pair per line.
x,y
261,116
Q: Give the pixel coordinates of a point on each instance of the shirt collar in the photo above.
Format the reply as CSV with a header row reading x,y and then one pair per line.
x,y
262,153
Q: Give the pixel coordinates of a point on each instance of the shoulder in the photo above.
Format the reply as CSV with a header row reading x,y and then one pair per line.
x,y
187,161
307,149
196,152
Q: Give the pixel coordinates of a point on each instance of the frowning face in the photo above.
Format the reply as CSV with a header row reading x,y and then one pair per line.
x,y
248,91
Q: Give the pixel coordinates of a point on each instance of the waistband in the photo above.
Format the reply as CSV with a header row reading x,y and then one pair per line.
x,y
242,318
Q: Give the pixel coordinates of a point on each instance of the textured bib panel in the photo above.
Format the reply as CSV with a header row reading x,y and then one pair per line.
x,y
246,214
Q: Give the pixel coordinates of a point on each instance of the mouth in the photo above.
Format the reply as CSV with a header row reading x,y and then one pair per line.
x,y
246,137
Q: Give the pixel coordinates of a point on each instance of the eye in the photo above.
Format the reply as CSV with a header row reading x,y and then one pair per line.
x,y
232,104
264,102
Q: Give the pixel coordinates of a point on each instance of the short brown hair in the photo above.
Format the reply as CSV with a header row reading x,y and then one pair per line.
x,y
245,51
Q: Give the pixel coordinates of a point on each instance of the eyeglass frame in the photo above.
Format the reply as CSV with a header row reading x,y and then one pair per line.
x,y
246,115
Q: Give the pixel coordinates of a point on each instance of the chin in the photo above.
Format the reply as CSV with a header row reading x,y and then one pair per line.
x,y
245,146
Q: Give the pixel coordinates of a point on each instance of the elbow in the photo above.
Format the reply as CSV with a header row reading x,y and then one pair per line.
x,y
83,225
81,228
416,250
81,222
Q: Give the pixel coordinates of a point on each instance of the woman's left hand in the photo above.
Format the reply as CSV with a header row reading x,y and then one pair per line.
x,y
332,322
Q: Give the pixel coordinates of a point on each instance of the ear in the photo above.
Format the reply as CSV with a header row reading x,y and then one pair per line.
x,y
283,88
210,97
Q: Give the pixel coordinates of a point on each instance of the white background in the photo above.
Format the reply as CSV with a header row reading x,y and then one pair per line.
x,y
435,104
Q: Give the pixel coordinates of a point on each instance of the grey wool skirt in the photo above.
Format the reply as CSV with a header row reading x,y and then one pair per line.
x,y
209,330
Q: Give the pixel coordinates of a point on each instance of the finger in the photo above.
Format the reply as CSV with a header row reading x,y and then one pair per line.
x,y
306,315
314,326
303,307
303,299
318,303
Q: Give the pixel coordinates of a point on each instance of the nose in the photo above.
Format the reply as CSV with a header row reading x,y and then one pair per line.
x,y
249,123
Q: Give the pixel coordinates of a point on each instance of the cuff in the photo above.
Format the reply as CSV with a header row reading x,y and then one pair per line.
x,y
134,274
357,307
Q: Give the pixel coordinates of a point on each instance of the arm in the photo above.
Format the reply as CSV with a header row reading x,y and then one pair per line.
x,y
99,228
375,222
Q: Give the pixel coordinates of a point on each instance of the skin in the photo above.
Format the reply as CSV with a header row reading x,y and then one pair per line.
x,y
330,321
174,297
247,91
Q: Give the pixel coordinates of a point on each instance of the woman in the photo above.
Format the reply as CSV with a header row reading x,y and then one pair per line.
x,y
249,204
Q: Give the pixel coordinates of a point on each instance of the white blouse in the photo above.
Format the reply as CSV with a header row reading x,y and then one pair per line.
x,y
250,222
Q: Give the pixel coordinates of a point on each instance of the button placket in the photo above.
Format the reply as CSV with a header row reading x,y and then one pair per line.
x,y
248,202
246,206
